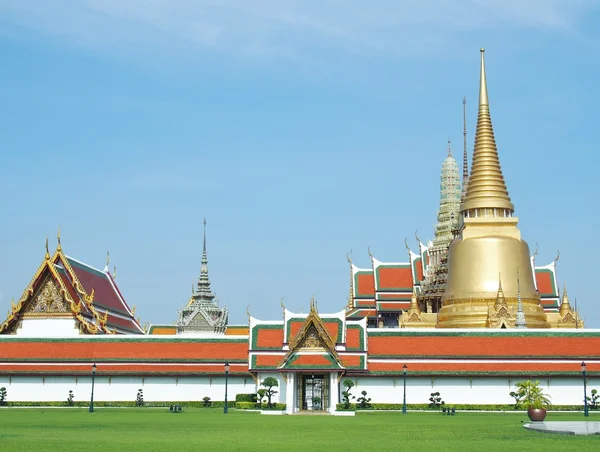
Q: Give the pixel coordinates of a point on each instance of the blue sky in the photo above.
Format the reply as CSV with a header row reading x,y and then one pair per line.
x,y
300,130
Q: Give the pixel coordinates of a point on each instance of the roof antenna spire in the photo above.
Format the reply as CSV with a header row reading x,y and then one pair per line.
x,y
204,248
449,148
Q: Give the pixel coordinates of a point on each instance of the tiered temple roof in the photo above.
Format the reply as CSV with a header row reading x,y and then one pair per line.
x,y
64,288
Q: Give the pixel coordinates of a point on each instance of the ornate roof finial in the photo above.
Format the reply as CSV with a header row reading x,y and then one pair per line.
x,y
283,307
114,275
449,148
565,305
204,247
465,174
204,293
486,188
500,299
47,250
248,313
557,256
520,322
59,246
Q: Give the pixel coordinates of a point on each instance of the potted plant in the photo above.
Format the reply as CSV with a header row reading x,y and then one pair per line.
x,y
530,396
316,403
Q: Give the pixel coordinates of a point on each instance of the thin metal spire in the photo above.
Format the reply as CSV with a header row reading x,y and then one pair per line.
x,y
465,175
520,322
204,247
203,292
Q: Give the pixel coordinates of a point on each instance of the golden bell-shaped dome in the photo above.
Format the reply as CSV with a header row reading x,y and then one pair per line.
x,y
489,244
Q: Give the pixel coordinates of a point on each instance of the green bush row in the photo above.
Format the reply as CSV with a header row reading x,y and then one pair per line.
x,y
191,404
255,406
246,398
464,407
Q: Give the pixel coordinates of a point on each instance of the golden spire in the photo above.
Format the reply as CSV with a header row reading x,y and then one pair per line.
x,y
47,250
59,247
414,305
486,188
565,306
500,300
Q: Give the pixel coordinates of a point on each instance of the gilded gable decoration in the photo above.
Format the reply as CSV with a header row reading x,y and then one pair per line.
x,y
48,300
312,335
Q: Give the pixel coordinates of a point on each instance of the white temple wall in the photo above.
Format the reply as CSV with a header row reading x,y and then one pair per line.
x,y
465,390
281,390
453,390
119,389
48,328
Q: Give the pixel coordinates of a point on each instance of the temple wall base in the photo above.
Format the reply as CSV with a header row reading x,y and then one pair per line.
x,y
453,390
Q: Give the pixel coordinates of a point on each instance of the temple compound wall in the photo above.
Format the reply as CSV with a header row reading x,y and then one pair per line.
x,y
453,390
310,356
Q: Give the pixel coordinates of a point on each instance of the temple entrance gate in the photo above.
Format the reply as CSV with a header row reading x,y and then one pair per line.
x,y
312,392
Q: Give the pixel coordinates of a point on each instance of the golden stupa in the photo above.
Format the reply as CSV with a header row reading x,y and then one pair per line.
x,y
489,243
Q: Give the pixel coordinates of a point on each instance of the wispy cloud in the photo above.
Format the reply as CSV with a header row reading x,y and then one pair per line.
x,y
283,27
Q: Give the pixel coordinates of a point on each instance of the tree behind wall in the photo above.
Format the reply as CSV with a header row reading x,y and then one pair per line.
x,y
2,396
346,396
139,400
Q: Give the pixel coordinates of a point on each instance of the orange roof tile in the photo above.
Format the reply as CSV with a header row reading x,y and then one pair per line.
x,y
61,349
269,338
544,281
365,284
394,278
480,345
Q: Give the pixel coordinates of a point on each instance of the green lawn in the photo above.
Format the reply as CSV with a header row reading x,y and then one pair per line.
x,y
154,429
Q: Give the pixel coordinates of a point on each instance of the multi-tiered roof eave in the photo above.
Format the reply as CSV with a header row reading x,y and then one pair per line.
x,y
308,342
63,288
386,288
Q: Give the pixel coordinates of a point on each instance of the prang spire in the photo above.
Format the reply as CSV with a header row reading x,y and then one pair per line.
x,y
486,188
203,292
465,174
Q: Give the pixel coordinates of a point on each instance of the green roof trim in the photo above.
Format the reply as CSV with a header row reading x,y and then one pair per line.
x,y
357,294
362,342
333,364
257,328
392,289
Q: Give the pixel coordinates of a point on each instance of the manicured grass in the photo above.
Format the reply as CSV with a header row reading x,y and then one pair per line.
x,y
154,429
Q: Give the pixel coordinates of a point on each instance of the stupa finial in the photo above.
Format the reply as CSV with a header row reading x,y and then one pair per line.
x,y
486,188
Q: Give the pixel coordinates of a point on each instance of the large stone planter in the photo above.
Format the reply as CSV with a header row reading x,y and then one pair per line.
x,y
536,414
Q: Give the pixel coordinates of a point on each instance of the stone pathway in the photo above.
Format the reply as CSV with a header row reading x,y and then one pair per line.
x,y
566,427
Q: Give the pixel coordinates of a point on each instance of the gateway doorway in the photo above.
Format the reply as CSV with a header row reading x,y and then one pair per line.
x,y
313,392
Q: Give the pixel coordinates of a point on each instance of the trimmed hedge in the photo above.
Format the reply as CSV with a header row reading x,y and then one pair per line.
x,y
255,406
246,398
99,404
463,407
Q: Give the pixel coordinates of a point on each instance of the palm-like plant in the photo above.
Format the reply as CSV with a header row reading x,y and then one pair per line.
x,y
529,394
